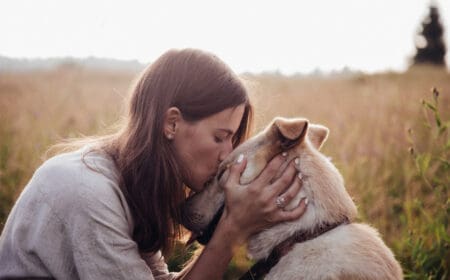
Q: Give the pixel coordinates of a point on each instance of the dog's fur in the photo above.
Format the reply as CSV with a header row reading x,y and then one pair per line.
x,y
349,251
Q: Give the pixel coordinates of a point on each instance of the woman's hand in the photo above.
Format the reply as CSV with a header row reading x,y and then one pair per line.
x,y
254,207
249,209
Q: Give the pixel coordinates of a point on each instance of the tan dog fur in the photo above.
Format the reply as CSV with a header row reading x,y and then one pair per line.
x,y
349,251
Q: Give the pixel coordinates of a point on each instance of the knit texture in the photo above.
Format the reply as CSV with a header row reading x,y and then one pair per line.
x,y
72,222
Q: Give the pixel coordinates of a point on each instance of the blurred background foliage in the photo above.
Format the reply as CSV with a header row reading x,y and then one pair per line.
x,y
389,138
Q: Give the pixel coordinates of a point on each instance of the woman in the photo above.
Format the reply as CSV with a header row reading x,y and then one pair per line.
x,y
108,209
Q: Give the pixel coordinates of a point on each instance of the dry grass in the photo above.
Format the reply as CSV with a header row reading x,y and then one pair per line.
x,y
39,109
368,116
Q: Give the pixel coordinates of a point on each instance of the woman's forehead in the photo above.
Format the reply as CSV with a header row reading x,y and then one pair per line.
x,y
227,120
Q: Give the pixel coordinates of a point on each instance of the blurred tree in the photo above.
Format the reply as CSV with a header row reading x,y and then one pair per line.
x,y
430,43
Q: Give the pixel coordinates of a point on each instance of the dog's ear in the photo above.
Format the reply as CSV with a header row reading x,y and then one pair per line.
x,y
291,131
317,134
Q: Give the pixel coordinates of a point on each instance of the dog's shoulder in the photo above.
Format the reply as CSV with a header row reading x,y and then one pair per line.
x,y
353,249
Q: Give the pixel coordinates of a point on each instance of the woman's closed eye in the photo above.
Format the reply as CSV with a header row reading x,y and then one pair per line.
x,y
218,139
222,137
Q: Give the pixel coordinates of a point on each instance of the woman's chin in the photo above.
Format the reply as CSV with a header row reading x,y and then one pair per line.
x,y
196,187
208,181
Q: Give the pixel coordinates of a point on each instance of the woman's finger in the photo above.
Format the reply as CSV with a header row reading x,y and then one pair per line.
x,y
292,190
236,170
270,171
281,184
296,213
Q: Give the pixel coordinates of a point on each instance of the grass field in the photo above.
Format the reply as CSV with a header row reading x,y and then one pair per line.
x,y
389,138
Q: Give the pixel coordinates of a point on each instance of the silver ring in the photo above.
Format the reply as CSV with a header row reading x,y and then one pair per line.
x,y
280,202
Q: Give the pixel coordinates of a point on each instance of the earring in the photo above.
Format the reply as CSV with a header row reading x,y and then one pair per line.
x,y
169,136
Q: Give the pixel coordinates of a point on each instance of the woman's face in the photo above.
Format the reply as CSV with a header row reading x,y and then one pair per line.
x,y
202,145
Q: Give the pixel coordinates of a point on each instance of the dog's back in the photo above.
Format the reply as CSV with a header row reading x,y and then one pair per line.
x,y
351,251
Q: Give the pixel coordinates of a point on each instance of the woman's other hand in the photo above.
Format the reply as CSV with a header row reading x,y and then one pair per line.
x,y
254,207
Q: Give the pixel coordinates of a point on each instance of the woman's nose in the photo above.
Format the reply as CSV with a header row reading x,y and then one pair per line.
x,y
228,148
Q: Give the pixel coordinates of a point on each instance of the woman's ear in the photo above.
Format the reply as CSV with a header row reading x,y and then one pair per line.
x,y
172,119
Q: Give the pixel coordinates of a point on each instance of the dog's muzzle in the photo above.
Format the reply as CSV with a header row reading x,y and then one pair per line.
x,y
204,237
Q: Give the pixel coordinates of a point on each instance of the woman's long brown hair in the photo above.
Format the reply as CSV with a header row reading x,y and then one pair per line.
x,y
199,85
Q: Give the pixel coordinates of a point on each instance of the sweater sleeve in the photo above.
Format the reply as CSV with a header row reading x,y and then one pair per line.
x,y
100,238
158,266
71,222
96,224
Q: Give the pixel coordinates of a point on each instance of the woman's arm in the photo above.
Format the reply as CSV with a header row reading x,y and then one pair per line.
x,y
213,261
249,209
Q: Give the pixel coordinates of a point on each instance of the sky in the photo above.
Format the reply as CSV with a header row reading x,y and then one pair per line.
x,y
249,35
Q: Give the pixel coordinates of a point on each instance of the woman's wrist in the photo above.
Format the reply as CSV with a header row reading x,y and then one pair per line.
x,y
230,231
215,257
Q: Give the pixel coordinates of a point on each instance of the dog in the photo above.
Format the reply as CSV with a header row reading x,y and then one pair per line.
x,y
325,243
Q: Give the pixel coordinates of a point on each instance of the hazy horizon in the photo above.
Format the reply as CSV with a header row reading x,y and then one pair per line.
x,y
251,36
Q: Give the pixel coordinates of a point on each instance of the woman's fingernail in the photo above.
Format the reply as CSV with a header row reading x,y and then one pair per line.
x,y
306,201
300,175
284,154
297,161
240,158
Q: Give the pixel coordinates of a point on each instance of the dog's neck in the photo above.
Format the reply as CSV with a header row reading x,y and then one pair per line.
x,y
263,266
323,209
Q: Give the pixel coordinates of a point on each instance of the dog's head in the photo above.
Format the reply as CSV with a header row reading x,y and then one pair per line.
x,y
298,138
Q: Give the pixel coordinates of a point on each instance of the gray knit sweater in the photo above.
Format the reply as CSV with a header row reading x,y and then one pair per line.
x,y
72,222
